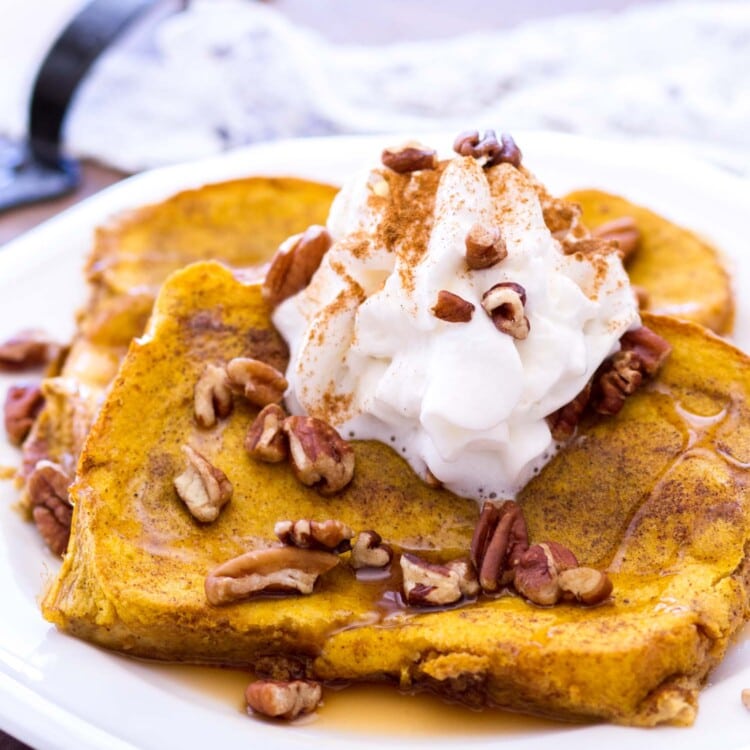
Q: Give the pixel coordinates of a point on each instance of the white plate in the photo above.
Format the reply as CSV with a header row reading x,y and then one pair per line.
x,y
57,692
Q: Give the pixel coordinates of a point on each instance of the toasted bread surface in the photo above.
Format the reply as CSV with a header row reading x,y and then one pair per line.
x,y
240,222
682,274
657,495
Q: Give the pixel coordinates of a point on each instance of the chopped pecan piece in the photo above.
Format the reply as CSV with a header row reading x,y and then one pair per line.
x,y
22,405
283,700
488,148
485,246
261,384
585,585
213,397
624,232
203,487
266,439
538,572
27,350
410,157
51,509
429,584
563,422
294,264
505,304
369,551
330,535
279,569
452,308
320,457
500,538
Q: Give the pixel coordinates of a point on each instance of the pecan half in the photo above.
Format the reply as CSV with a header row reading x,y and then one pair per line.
x,y
22,405
617,378
563,422
203,487
505,304
652,350
51,509
320,457
330,535
283,700
500,538
27,350
213,397
538,571
410,157
265,439
261,384
745,696
294,264
427,584
488,147
624,232
279,569
485,246
585,585
369,551
452,308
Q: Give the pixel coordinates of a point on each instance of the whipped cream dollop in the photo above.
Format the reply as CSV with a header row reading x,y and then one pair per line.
x,y
461,399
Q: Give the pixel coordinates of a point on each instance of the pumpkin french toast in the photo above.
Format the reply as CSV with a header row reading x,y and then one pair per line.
x,y
239,222
656,495
680,273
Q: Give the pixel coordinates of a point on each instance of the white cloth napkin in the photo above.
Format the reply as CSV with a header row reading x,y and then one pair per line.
x,y
226,72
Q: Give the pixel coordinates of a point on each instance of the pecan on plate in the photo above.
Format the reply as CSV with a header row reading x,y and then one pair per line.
x,y
51,508
618,377
330,535
485,246
410,157
22,405
369,551
538,571
283,699
213,396
203,487
505,303
745,696
500,538
266,439
585,585
652,350
320,457
260,383
624,232
276,569
563,422
27,350
452,308
427,584
294,264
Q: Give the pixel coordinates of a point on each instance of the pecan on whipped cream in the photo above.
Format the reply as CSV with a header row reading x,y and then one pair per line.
x,y
464,400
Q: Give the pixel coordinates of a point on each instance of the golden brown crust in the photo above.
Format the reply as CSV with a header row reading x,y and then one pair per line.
x,y
666,514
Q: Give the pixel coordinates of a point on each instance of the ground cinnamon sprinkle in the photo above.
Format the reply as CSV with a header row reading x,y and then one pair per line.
x,y
407,221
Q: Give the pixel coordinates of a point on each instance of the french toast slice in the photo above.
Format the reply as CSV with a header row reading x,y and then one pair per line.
x,y
240,222
681,273
657,495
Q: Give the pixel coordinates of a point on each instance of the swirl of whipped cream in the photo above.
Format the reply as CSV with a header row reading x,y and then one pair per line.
x,y
463,399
